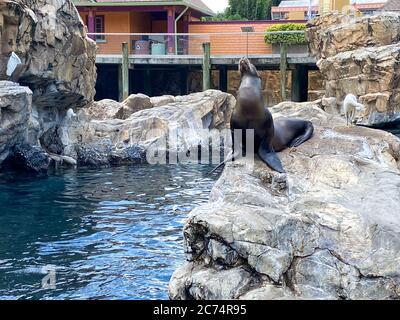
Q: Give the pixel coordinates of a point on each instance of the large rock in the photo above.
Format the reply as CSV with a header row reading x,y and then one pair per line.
x,y
15,110
92,135
50,38
334,33
26,157
134,103
328,229
58,66
360,56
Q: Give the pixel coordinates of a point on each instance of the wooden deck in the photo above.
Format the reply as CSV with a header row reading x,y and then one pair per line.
x,y
267,60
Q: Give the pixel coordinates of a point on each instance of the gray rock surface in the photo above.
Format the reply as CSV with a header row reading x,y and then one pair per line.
x,y
328,229
15,110
50,38
57,72
99,134
29,158
360,56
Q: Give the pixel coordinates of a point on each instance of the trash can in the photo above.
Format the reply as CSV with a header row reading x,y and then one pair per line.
x,y
158,49
142,47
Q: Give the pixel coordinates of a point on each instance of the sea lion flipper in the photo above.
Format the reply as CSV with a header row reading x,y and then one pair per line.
x,y
270,157
308,133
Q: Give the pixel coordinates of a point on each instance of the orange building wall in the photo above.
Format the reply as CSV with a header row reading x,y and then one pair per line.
x,y
235,44
114,22
296,15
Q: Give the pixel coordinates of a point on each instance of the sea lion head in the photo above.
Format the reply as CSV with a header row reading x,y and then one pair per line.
x,y
247,68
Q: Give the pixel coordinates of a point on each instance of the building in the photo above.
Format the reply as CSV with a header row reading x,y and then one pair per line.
x,y
294,9
392,6
139,17
368,7
166,40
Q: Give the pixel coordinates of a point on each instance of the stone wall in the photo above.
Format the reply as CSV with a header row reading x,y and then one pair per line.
x,y
360,56
270,80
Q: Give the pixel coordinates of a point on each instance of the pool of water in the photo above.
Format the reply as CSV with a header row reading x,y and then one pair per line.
x,y
108,234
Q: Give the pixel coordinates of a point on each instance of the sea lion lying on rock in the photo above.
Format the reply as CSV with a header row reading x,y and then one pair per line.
x,y
251,113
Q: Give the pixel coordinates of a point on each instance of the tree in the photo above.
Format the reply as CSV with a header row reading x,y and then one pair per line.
x,y
247,10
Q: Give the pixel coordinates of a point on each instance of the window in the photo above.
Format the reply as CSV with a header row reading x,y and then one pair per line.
x,y
99,28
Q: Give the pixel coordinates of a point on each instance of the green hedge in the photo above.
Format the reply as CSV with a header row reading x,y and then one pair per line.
x,y
290,39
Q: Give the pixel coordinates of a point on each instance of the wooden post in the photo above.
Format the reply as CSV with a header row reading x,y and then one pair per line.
x,y
223,78
283,70
125,71
206,66
300,83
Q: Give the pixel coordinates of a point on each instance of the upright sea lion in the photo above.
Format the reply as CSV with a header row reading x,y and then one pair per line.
x,y
251,113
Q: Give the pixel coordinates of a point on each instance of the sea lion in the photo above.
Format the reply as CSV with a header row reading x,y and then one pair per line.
x,y
251,113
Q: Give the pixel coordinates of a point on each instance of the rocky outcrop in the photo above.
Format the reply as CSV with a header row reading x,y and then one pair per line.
x,y
58,67
328,229
58,57
98,136
15,111
360,56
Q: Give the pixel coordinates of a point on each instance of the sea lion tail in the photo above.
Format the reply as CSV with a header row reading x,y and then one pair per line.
x,y
216,168
307,135
229,158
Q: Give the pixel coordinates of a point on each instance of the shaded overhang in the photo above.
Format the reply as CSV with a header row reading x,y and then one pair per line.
x,y
147,5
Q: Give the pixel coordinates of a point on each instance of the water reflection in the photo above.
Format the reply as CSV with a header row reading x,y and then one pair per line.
x,y
112,233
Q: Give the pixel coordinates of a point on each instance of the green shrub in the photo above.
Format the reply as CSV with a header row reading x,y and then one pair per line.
x,y
290,39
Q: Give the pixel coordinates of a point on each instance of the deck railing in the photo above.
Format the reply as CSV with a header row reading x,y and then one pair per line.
x,y
188,44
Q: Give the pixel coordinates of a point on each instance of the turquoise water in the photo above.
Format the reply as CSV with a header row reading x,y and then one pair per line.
x,y
110,233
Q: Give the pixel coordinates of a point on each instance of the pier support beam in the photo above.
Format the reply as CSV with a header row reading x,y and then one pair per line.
x,y
300,83
124,73
206,66
283,70
223,78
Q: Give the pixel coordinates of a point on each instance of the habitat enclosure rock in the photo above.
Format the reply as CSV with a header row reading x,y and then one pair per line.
x,y
328,229
57,65
360,56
